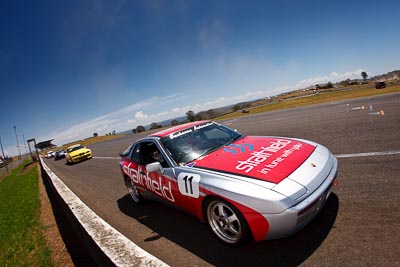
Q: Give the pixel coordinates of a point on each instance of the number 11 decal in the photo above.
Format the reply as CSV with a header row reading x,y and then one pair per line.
x,y
188,184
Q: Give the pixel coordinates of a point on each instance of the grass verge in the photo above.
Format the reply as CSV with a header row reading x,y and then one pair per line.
x,y
22,242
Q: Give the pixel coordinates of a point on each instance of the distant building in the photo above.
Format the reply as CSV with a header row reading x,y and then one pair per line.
x,y
45,145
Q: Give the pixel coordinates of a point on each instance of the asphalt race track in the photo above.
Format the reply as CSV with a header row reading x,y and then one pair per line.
x,y
360,224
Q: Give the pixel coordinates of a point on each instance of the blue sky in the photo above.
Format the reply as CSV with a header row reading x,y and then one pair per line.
x,y
71,68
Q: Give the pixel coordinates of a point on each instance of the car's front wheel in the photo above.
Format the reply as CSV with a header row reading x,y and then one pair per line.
x,y
226,222
133,191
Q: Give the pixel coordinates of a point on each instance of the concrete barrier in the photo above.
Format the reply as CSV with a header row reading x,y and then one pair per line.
x,y
106,245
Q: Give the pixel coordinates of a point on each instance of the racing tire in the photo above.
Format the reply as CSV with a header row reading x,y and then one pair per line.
x,y
226,222
133,191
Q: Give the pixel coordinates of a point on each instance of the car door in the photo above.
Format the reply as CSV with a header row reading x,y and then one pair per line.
x,y
157,183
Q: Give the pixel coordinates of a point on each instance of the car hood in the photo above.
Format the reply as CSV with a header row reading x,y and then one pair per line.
x,y
270,159
79,151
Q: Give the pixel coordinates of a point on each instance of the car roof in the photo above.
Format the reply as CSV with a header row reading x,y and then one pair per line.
x,y
177,128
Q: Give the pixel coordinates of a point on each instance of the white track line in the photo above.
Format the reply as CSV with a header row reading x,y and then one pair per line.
x,y
106,157
368,154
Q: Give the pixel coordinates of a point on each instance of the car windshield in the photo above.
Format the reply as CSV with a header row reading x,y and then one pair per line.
x,y
74,148
200,140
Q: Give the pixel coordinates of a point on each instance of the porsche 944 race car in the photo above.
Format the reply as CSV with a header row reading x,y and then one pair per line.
x,y
243,187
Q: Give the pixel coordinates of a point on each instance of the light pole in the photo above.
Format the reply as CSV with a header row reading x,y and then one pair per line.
x,y
2,151
4,157
16,137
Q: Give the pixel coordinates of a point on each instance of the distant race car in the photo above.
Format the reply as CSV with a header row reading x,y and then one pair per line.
x,y
49,154
243,186
59,154
77,153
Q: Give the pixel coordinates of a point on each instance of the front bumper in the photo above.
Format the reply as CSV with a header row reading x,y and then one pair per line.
x,y
81,156
295,218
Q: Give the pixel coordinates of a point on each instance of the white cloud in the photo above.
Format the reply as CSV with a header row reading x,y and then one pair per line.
x,y
140,116
333,77
120,120
144,112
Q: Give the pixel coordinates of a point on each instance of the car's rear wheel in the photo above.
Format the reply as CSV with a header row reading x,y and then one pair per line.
x,y
226,222
133,191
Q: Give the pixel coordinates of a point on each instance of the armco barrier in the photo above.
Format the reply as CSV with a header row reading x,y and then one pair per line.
x,y
106,245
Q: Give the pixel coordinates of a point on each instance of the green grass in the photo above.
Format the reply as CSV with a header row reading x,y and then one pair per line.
x,y
316,99
21,239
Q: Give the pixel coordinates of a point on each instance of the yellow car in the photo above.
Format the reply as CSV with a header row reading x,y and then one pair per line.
x,y
77,153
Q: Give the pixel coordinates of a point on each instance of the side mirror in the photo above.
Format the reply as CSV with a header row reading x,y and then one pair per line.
x,y
153,167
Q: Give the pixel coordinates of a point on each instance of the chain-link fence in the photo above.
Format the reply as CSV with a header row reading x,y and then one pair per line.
x,y
13,164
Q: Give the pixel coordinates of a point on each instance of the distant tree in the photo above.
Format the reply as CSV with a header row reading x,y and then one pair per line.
x,y
95,135
155,125
211,113
134,131
237,107
174,122
345,82
201,116
364,75
240,106
190,115
114,133
140,128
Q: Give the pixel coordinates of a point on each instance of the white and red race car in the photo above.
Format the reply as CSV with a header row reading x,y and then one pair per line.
x,y
243,186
